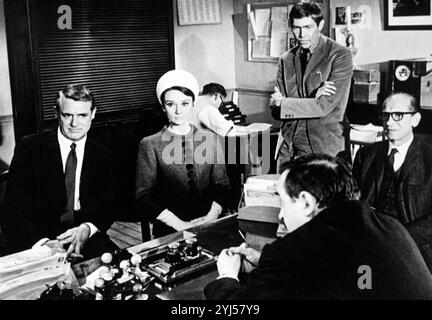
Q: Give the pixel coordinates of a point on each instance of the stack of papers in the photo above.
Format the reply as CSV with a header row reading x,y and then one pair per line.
x,y
366,133
254,127
261,191
24,275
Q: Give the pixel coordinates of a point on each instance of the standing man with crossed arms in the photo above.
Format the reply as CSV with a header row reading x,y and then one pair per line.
x,y
312,89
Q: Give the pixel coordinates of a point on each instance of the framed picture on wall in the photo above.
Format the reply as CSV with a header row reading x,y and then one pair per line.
x,y
407,14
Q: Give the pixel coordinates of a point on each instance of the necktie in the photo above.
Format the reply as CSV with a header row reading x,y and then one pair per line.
x,y
391,158
304,58
70,170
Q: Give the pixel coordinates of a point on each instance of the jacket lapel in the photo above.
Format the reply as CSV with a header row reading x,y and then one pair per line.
x,y
52,167
378,171
86,169
315,60
410,160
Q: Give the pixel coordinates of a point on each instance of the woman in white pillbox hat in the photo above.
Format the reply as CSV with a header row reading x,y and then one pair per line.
x,y
175,190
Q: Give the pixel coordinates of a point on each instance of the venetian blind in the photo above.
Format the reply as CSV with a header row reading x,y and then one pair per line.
x,y
118,48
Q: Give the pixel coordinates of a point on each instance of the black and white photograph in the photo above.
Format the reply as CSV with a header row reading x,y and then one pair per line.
x,y
407,14
340,16
406,8
194,154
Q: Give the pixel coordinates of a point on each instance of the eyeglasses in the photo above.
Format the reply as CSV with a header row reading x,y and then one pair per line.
x,y
396,116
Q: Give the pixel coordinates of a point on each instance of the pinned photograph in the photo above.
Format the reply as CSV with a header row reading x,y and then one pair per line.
x,y
340,16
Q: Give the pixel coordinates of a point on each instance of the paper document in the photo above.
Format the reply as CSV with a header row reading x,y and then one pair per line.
x,y
254,127
261,48
366,133
253,32
262,19
367,127
280,14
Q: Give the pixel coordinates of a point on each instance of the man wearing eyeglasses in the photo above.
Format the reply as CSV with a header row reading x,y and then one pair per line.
x,y
395,175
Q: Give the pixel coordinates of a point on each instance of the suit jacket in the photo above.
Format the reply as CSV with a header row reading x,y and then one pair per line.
x,y
323,259
35,196
413,192
322,117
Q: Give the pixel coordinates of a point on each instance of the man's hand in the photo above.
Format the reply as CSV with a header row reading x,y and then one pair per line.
x,y
327,89
76,238
275,104
250,256
228,264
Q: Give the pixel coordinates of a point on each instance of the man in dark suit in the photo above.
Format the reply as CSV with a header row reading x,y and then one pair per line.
x,y
336,248
395,175
60,184
312,121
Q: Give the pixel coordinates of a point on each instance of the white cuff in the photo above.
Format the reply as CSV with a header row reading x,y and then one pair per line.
x,y
228,276
92,227
40,243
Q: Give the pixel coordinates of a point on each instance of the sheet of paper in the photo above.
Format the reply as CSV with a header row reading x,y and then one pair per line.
x,y
279,43
261,48
198,12
366,17
252,30
366,133
262,19
280,14
367,127
254,127
340,35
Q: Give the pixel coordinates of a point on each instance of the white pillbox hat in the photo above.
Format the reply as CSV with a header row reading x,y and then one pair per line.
x,y
177,78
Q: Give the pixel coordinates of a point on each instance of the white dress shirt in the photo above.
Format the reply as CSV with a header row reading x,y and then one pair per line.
x,y
399,156
204,115
65,148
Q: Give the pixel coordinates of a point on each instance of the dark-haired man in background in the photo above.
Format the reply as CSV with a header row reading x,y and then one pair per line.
x,y
395,175
60,188
312,88
336,248
205,113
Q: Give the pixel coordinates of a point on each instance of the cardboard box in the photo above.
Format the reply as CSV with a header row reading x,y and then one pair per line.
x,y
366,76
366,92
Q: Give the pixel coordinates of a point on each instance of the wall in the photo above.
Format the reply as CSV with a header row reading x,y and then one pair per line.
x,y
207,51
377,45
7,139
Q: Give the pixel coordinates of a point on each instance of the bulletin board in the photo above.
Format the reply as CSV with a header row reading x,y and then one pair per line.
x,y
269,34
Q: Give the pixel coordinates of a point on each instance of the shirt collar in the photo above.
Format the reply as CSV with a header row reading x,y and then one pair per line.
x,y
65,142
403,148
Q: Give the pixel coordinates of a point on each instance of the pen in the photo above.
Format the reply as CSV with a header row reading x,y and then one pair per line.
x,y
242,235
320,75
